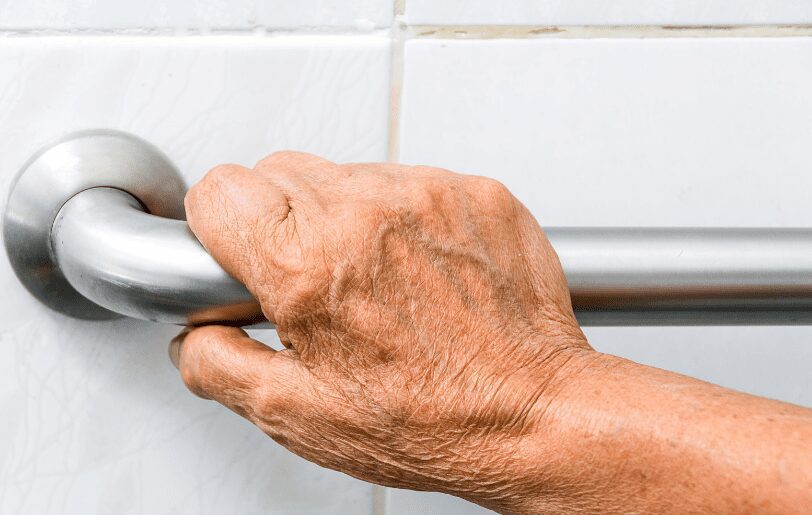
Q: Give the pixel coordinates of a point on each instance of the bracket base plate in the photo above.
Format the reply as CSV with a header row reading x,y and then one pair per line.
x,y
80,161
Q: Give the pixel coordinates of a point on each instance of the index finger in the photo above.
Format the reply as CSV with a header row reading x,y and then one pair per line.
x,y
227,211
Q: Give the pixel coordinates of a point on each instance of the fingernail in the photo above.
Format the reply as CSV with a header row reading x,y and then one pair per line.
x,y
174,347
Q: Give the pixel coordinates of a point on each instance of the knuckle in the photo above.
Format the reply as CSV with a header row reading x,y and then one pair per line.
x,y
221,174
223,171
423,187
428,194
491,191
431,171
212,183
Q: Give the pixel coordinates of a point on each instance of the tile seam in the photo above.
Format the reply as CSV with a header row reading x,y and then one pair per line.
x,y
408,31
399,34
601,32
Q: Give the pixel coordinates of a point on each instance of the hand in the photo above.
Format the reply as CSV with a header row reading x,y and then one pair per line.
x,y
430,344
426,319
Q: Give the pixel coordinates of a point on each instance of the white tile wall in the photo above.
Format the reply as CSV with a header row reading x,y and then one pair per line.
x,y
602,12
95,419
194,14
622,131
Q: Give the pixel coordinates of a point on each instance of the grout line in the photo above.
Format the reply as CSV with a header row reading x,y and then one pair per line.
x,y
596,31
399,34
401,31
379,500
256,31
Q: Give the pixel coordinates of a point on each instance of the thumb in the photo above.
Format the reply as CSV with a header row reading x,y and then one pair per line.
x,y
225,365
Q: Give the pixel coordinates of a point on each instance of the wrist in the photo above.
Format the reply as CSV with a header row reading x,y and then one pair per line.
x,y
516,463
605,434
550,467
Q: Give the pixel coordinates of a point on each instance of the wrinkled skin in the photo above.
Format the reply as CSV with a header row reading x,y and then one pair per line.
x,y
424,312
430,344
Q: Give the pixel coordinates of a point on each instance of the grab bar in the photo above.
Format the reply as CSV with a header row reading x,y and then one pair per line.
x,y
143,266
89,247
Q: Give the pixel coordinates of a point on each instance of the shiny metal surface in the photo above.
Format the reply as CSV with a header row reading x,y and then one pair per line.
x,y
86,248
80,161
687,276
143,266
148,267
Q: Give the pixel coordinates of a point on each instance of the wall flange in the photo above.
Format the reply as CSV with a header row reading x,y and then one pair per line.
x,y
77,162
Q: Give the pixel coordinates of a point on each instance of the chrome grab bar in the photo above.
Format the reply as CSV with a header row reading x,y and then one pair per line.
x,y
79,235
143,266
687,276
148,267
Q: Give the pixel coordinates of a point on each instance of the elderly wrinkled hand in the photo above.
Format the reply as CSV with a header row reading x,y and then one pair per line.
x,y
424,313
430,344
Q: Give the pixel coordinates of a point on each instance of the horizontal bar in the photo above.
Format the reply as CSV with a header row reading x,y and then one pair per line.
x,y
687,276
153,268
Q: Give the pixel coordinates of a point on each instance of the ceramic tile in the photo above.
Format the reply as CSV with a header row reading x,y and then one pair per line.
x,y
195,14
407,502
600,12
622,132
670,132
96,420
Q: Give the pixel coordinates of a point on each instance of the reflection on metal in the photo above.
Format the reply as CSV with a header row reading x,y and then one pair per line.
x,y
141,265
94,228
687,276
87,249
